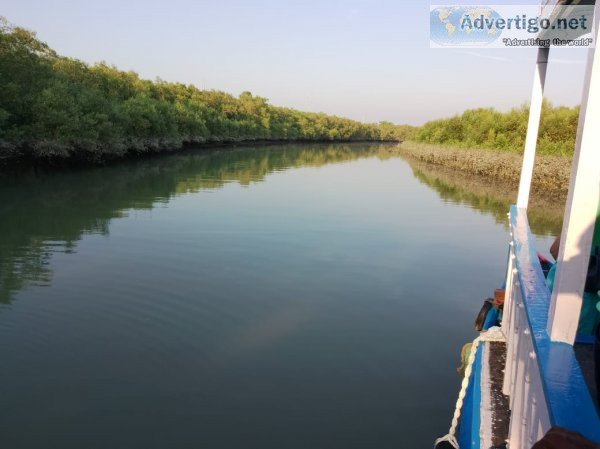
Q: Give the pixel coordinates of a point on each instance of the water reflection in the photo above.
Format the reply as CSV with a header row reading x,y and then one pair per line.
x,y
544,212
48,213
290,309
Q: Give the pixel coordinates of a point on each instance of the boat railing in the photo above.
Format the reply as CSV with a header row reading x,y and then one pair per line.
x,y
542,378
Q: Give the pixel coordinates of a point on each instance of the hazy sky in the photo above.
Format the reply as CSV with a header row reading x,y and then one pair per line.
x,y
365,59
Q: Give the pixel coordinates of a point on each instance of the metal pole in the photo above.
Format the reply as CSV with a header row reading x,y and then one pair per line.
x,y
535,112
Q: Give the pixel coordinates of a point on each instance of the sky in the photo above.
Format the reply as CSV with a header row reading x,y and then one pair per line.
x,y
364,59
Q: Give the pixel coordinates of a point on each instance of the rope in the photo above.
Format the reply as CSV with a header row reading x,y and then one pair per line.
x,y
493,334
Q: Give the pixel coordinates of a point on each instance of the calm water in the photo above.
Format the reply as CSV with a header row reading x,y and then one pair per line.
x,y
277,297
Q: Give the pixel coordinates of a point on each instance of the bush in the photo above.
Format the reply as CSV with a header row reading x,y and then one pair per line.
x,y
488,128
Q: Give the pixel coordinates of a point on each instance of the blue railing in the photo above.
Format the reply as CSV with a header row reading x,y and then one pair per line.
x,y
565,393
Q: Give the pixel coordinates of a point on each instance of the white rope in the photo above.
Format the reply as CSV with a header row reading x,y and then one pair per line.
x,y
492,334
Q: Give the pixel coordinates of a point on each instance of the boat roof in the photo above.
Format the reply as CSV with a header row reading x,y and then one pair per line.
x,y
551,9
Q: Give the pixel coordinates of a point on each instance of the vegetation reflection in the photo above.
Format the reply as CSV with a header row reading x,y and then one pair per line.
x,y
544,213
50,212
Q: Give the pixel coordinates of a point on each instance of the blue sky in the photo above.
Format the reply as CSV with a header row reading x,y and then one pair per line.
x,y
365,59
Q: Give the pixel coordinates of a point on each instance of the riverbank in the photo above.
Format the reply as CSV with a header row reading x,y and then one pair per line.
x,y
550,175
53,154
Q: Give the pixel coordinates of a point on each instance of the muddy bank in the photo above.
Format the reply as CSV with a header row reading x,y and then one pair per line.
x,y
550,175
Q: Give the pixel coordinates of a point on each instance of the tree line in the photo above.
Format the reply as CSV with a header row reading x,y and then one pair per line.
x,y
58,107
491,129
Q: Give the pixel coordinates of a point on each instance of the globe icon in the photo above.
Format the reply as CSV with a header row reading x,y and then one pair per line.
x,y
458,25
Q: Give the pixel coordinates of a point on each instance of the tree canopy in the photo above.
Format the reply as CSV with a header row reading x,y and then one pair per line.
x,y
54,106
489,128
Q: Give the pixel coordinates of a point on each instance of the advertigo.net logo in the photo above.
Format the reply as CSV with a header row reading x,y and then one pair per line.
x,y
503,26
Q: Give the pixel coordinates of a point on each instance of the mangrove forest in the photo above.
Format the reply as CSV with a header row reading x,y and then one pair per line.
x,y
55,107
488,128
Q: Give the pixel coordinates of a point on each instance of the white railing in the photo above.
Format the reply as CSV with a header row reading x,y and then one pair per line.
x,y
529,411
542,378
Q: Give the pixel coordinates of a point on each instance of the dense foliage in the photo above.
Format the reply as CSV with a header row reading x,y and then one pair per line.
x,y
488,128
52,106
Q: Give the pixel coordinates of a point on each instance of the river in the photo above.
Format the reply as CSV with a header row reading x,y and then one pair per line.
x,y
277,297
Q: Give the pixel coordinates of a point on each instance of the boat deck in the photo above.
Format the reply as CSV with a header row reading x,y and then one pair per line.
x,y
495,413
501,413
